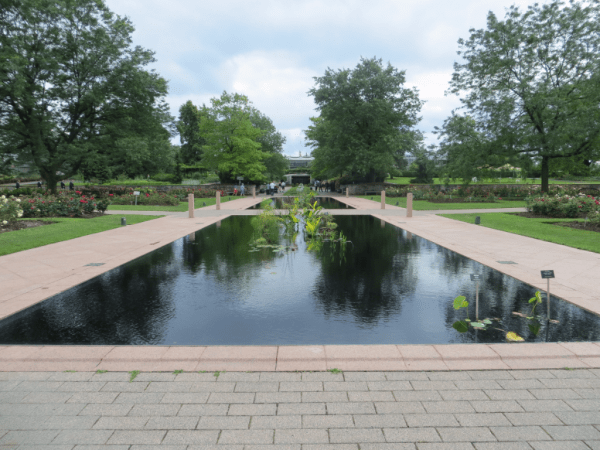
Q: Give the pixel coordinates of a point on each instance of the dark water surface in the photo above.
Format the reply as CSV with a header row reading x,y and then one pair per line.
x,y
208,289
324,202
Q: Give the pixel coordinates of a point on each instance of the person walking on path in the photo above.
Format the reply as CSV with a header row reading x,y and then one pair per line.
x,y
242,190
62,184
71,185
272,188
283,187
39,184
17,184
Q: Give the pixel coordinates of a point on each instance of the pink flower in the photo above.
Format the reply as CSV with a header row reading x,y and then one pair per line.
x,y
111,195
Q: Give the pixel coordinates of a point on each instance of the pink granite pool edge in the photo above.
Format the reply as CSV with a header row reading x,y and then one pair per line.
x,y
288,358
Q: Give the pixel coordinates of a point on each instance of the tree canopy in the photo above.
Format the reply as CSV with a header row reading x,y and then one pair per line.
x,y
271,142
532,81
231,140
72,88
364,115
188,127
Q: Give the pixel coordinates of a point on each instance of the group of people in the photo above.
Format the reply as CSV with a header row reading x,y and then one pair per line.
x,y
323,186
272,188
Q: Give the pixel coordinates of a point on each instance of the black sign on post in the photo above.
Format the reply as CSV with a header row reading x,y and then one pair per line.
x,y
547,273
475,277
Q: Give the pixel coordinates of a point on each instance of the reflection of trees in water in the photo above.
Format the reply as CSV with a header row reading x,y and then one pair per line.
x,y
224,252
500,295
373,277
131,304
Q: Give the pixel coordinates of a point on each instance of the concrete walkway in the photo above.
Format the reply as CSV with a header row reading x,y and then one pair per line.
x,y
468,410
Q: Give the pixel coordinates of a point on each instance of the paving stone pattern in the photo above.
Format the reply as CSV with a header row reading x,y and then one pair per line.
x,y
472,410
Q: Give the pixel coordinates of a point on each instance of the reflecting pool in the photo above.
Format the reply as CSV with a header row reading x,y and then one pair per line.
x,y
324,202
386,287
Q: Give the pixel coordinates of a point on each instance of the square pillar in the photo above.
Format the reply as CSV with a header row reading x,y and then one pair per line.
x,y
409,199
218,200
382,199
191,205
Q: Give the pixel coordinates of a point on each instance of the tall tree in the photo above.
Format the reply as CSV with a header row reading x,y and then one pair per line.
x,y
363,114
231,148
70,83
464,148
271,142
188,126
532,81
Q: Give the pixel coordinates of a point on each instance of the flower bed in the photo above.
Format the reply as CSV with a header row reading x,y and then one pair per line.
x,y
155,198
567,206
64,204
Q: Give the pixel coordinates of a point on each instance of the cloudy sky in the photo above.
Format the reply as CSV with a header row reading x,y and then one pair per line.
x,y
271,50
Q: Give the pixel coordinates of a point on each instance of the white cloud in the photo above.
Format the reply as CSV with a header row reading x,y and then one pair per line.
x,y
275,82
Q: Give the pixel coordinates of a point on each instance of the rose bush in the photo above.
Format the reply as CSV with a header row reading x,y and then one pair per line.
x,y
568,206
10,210
64,204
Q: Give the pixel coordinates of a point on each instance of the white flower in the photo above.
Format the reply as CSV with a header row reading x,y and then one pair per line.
x,y
4,196
18,199
20,214
4,222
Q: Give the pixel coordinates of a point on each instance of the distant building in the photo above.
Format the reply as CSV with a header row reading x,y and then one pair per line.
x,y
409,158
297,162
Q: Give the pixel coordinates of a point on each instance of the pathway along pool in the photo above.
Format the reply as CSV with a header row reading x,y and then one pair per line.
x,y
324,202
209,289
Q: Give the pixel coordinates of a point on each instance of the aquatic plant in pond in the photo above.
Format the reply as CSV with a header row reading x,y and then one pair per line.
x,y
533,324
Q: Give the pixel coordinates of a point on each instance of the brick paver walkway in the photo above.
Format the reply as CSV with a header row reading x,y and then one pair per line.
x,y
487,410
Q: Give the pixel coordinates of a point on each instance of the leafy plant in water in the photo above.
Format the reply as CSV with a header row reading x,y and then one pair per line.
x,y
536,300
462,326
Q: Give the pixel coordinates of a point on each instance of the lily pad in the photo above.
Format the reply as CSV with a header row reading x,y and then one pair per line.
x,y
487,321
460,302
461,326
478,325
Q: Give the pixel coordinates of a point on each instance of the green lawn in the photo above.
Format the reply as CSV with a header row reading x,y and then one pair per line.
x,y
423,205
63,230
406,180
183,206
542,229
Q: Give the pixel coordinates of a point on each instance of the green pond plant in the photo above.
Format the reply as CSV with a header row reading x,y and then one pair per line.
x,y
302,211
462,326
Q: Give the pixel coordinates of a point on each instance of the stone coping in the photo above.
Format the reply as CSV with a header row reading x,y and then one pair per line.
x,y
33,275
301,358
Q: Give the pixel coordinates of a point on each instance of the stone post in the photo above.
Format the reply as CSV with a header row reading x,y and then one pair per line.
x,y
253,191
382,199
218,200
409,198
192,237
191,205
347,192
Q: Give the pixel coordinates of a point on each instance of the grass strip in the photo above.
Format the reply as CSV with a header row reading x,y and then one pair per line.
x,y
542,229
424,205
64,229
183,206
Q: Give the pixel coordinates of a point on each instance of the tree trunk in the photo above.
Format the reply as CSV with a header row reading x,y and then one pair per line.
x,y
545,173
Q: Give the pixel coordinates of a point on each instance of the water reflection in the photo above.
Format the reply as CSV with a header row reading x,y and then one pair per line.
x,y
208,289
324,202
